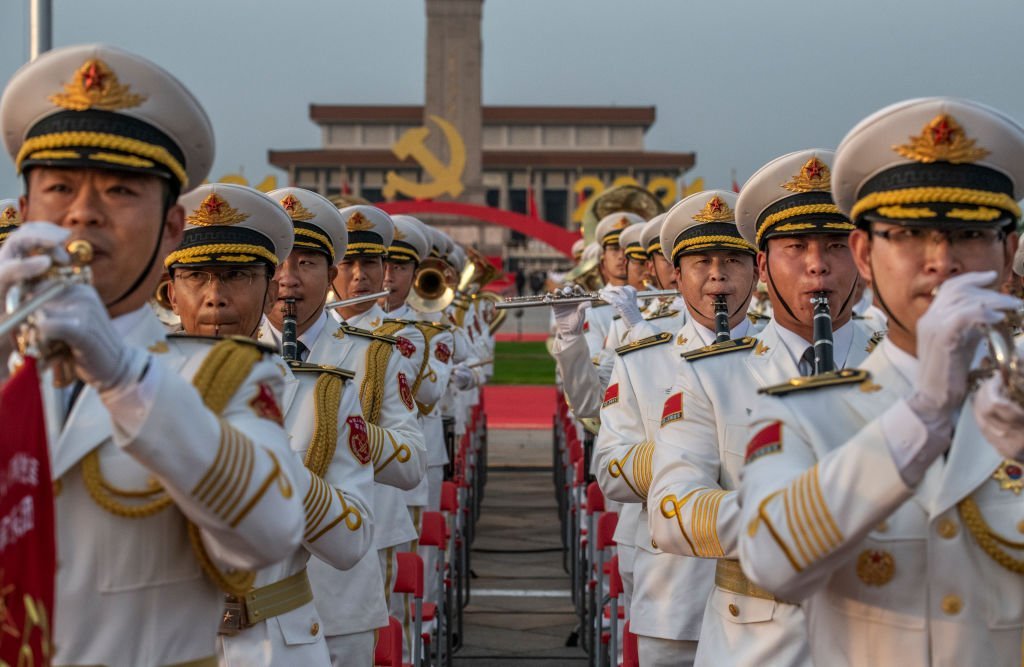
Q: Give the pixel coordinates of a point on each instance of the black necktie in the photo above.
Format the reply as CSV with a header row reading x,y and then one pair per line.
x,y
806,364
302,350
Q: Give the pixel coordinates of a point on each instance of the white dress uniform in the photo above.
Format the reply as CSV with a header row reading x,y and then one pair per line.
x,y
918,572
149,498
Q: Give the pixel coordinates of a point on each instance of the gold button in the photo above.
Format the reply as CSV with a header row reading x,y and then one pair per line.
x,y
734,610
654,545
947,528
315,628
952,604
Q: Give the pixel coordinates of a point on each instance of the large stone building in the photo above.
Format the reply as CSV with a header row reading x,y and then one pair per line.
x,y
542,160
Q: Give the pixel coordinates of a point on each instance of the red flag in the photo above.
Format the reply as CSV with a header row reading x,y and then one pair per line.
x,y
531,203
28,560
346,189
735,183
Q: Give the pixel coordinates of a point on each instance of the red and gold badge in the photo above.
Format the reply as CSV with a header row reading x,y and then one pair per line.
x,y
265,405
405,346
358,439
673,410
875,567
767,441
404,390
442,353
611,395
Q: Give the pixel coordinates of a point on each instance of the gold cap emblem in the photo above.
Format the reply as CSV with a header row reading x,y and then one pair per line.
x,y
357,222
399,236
10,216
214,210
622,223
716,210
814,175
941,140
875,567
95,86
295,209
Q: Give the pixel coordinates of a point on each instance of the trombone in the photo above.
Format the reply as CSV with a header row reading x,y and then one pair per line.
x,y
432,289
558,298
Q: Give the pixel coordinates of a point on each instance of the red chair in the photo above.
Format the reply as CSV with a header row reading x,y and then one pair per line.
x,y
614,613
409,581
630,651
434,535
604,541
388,651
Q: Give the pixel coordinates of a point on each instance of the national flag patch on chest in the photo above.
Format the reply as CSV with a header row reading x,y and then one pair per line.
x,y
611,395
767,441
673,410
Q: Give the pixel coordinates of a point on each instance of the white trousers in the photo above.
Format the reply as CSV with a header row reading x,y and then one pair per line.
x,y
656,652
354,650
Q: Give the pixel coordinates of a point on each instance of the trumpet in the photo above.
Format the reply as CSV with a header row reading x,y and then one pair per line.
x,y
824,362
21,302
1003,353
432,289
553,298
722,331
357,299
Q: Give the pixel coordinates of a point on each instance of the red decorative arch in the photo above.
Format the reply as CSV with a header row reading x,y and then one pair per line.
x,y
552,234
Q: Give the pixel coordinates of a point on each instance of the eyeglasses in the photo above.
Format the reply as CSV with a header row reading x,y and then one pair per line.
x,y
230,278
916,239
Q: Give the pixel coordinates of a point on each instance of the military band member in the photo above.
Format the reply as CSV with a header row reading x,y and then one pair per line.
x,y
276,622
669,591
153,505
786,211
871,495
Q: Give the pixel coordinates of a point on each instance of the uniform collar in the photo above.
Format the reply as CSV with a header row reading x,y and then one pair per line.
x,y
307,338
707,336
795,344
370,320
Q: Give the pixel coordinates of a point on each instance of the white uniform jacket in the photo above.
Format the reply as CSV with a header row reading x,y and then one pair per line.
x,y
892,574
694,502
337,491
132,471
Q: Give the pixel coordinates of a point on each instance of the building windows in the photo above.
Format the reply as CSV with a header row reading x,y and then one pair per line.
x,y
556,205
494,197
590,137
556,136
377,135
522,135
373,195
627,137
341,135
517,200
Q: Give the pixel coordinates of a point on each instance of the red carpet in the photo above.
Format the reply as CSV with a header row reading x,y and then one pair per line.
x,y
517,338
519,406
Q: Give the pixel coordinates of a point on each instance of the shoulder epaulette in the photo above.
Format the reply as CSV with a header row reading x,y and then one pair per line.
x,y
356,331
245,340
734,345
397,320
833,379
756,317
650,341
304,367
670,313
876,338
440,326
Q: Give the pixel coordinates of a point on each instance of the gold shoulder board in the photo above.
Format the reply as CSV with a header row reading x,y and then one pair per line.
x,y
756,317
213,340
671,313
734,345
437,326
833,379
356,331
650,341
304,367
396,320
876,338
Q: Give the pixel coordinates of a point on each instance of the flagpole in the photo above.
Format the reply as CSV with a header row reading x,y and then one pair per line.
x,y
40,22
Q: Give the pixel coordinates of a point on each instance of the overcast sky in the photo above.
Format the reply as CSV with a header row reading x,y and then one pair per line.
x,y
737,81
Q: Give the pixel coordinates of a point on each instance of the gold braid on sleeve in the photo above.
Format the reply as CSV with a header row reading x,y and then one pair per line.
x,y
377,356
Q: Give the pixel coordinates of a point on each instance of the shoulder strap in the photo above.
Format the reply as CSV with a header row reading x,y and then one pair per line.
x,y
724,347
833,379
328,390
377,356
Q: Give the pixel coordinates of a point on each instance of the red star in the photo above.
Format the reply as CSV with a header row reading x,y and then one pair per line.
x,y
289,203
814,169
876,557
93,77
213,205
942,132
715,205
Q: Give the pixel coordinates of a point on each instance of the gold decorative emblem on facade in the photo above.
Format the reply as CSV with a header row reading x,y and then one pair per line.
x,y
1010,476
214,210
875,567
357,222
95,86
296,211
941,140
814,175
10,216
716,210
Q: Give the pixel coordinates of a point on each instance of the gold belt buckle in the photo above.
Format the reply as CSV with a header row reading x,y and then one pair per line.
x,y
232,621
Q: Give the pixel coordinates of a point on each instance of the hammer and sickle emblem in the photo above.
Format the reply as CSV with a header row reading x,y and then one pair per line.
x,y
446,177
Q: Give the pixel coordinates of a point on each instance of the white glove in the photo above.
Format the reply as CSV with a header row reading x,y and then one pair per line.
x,y
463,377
569,317
79,319
1000,419
15,263
623,299
947,338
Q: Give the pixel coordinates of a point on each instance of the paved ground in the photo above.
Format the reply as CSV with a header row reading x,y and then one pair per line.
x,y
520,612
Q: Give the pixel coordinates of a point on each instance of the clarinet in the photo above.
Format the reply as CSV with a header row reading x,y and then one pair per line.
x,y
823,359
289,335
722,332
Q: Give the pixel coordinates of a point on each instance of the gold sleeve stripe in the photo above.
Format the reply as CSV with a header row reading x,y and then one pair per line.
x,y
672,508
275,474
790,521
376,436
705,523
762,515
836,536
225,482
400,453
247,461
813,528
617,469
350,515
814,542
318,502
642,469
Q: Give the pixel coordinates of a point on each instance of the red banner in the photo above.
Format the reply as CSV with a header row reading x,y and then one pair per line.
x,y
27,546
